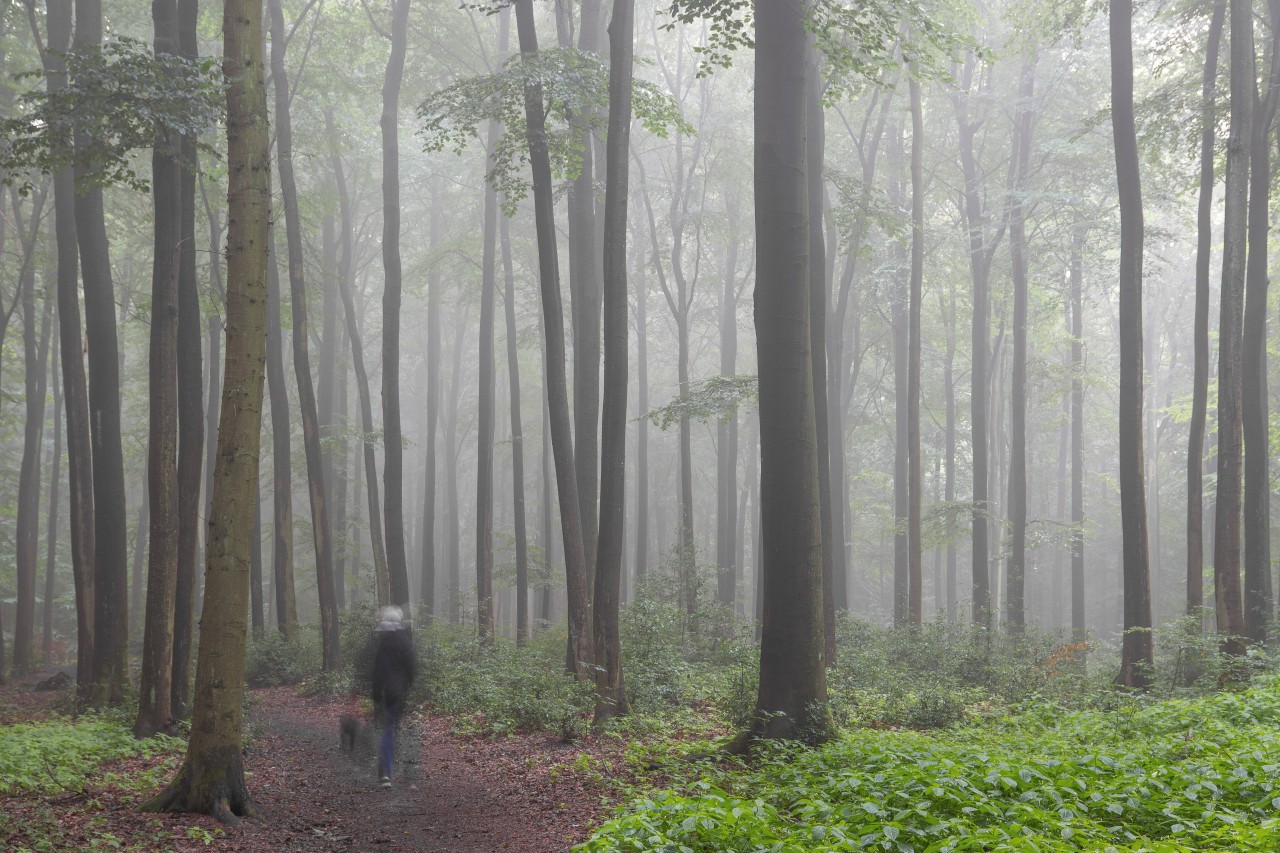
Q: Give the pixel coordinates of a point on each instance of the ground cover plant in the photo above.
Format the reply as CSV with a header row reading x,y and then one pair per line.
x,y
1141,774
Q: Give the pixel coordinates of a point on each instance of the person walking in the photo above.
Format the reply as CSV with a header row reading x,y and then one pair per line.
x,y
394,667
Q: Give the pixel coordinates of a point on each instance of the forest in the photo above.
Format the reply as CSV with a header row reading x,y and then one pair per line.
x,y
755,425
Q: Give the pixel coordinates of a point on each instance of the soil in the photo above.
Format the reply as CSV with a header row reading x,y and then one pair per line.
x,y
451,793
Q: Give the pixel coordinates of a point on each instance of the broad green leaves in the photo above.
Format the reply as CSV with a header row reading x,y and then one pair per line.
x,y
117,99
575,84
718,397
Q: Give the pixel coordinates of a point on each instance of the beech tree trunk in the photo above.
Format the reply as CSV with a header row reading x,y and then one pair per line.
x,y
111,584
191,430
71,352
517,439
1259,607
428,592
1136,649
1226,557
578,653
393,449
1015,600
915,482
485,392
36,326
211,779
611,697
321,535
51,522
792,693
1079,628
281,454
345,287
642,425
155,690
1200,371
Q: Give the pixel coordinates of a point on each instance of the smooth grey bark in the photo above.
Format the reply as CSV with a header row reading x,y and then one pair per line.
x,y
51,521
915,295
111,586
281,454
393,449
1259,607
578,652
792,692
1079,628
1200,334
1226,556
1136,649
428,581
517,439
321,533
727,564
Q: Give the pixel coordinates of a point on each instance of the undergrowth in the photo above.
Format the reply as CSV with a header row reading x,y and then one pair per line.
x,y
61,754
1173,775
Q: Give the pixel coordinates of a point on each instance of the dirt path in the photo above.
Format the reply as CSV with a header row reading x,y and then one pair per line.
x,y
451,795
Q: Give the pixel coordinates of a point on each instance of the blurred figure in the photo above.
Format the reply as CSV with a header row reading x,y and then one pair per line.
x,y
394,666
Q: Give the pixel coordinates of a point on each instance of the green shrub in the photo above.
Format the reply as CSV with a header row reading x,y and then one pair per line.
x,y
271,660
57,755
1176,775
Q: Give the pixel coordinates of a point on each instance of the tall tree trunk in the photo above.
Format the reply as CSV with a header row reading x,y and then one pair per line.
x,y
517,438
281,454
428,593
111,586
585,305
611,697
1015,601
578,652
816,146
982,246
51,526
792,672
70,341
486,393
211,779
901,299
727,429
322,538
155,690
1226,558
366,436
642,426
453,547
257,618
1136,651
393,449
1259,607
190,403
35,349
548,546
326,390
1200,374
1079,629
915,482
136,592
949,464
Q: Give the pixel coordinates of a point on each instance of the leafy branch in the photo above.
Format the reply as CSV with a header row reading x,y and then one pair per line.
x,y
118,99
718,397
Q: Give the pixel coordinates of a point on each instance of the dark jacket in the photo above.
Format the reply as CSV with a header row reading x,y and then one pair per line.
x,y
394,666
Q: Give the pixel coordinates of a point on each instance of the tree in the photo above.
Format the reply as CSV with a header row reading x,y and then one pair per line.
x,y
578,652
281,456
110,664
791,698
517,439
321,533
1226,549
211,778
915,598
393,450
155,692
1259,607
190,403
1015,603
610,693
1136,650
74,387
1200,374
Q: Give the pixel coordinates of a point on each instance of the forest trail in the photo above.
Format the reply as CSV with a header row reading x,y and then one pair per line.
x,y
451,794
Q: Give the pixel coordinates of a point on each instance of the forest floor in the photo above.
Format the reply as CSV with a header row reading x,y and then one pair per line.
x,y
452,793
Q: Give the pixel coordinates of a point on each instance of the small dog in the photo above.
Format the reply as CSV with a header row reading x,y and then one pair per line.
x,y
348,730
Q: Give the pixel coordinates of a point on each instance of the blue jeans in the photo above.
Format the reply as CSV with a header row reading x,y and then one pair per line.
x,y
387,748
